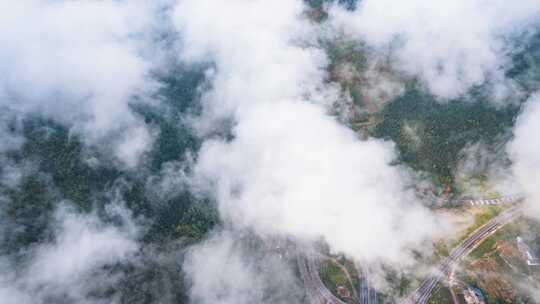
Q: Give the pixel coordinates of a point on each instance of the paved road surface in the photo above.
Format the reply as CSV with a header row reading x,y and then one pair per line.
x,y
423,292
319,293
315,288
368,295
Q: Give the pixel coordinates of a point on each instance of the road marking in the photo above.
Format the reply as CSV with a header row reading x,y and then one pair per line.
x,y
422,294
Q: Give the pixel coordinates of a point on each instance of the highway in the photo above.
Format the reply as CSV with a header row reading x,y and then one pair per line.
x,y
423,292
368,295
318,293
315,288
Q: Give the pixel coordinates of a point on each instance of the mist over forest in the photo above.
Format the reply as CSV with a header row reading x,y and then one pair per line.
x,y
195,151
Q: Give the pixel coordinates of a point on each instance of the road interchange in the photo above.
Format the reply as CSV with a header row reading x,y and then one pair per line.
x,y
316,290
423,292
318,293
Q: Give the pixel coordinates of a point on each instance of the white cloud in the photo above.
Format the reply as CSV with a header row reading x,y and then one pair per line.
x,y
451,45
219,274
69,267
78,62
171,180
82,243
291,168
10,129
225,270
257,48
523,151
133,143
478,161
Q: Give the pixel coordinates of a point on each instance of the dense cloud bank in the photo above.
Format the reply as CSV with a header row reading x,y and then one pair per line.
x,y
523,150
451,45
285,144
